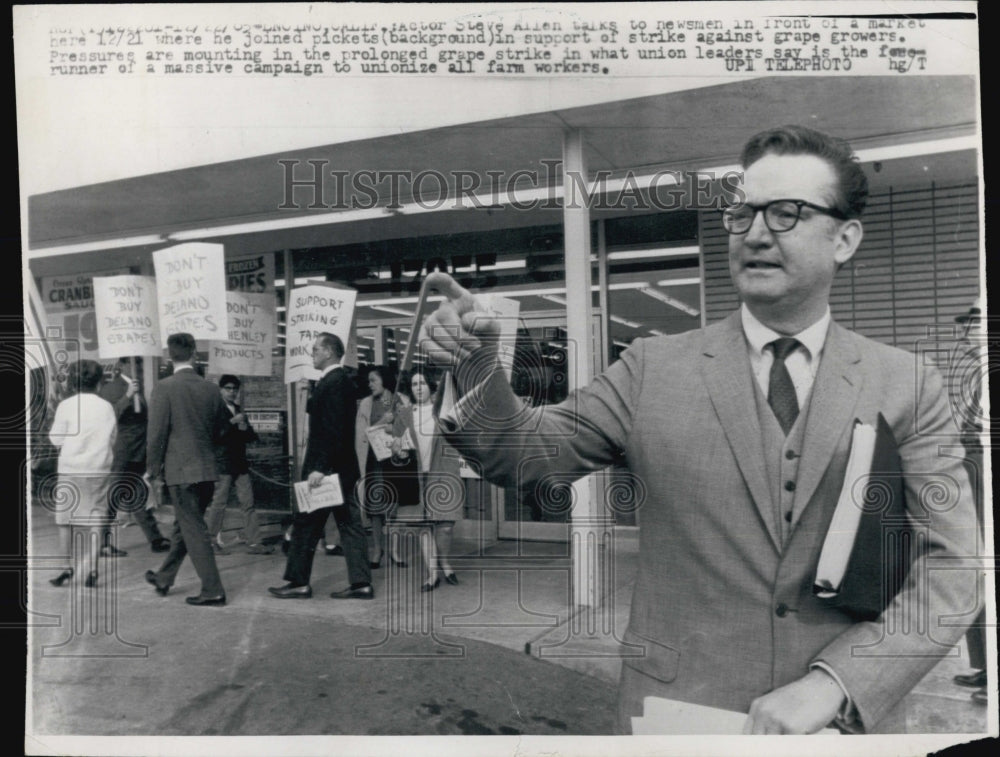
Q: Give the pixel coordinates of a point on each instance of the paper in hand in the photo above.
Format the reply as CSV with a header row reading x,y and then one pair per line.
x,y
327,494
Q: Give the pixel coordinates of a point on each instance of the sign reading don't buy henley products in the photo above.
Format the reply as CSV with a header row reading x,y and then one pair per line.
x,y
312,310
191,290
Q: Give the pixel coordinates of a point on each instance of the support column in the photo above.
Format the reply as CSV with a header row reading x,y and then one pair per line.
x,y
151,365
588,524
292,424
603,294
381,351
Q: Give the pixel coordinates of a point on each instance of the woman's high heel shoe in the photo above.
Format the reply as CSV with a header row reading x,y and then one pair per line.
x,y
62,577
431,586
91,581
400,563
449,577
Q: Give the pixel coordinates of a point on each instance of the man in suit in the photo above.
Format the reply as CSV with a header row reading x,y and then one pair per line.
x,y
187,418
125,395
740,434
330,449
967,369
234,472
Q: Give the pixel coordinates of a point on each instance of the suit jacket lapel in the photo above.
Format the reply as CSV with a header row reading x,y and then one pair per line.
x,y
728,379
831,408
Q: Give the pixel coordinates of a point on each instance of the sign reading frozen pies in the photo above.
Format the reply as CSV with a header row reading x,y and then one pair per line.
x,y
191,290
312,310
250,274
247,351
127,322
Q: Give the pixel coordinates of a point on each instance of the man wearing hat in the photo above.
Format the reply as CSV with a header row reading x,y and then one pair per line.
x,y
234,472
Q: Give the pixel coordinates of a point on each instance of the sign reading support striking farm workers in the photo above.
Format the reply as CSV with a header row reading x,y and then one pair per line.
x,y
312,310
127,322
247,351
191,290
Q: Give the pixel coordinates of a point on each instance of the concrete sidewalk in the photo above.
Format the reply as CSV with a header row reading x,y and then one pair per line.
x,y
123,661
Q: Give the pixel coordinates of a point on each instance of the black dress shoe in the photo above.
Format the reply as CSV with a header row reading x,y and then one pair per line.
x,y
91,581
160,545
452,579
202,600
160,589
355,592
979,696
62,577
109,550
431,587
974,680
375,565
288,591
334,551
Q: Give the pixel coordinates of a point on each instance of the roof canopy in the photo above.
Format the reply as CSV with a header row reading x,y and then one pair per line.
x,y
691,129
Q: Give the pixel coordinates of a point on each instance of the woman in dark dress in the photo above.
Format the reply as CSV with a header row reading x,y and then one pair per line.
x,y
386,485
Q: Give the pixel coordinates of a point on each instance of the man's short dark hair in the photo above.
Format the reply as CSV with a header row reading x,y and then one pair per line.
x,y
852,184
180,347
228,378
333,343
85,376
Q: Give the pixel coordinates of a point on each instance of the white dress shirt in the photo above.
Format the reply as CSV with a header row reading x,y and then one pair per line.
x,y
802,364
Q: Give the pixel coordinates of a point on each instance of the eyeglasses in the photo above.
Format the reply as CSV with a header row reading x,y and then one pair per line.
x,y
779,215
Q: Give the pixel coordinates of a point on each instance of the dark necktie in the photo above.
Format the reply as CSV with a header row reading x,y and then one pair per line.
x,y
780,389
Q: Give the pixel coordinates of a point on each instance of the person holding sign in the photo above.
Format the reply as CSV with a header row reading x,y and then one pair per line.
x,y
125,395
331,411
740,435
187,418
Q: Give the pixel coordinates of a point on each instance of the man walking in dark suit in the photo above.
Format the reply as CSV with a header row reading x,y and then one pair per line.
x,y
187,419
127,490
740,434
330,449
